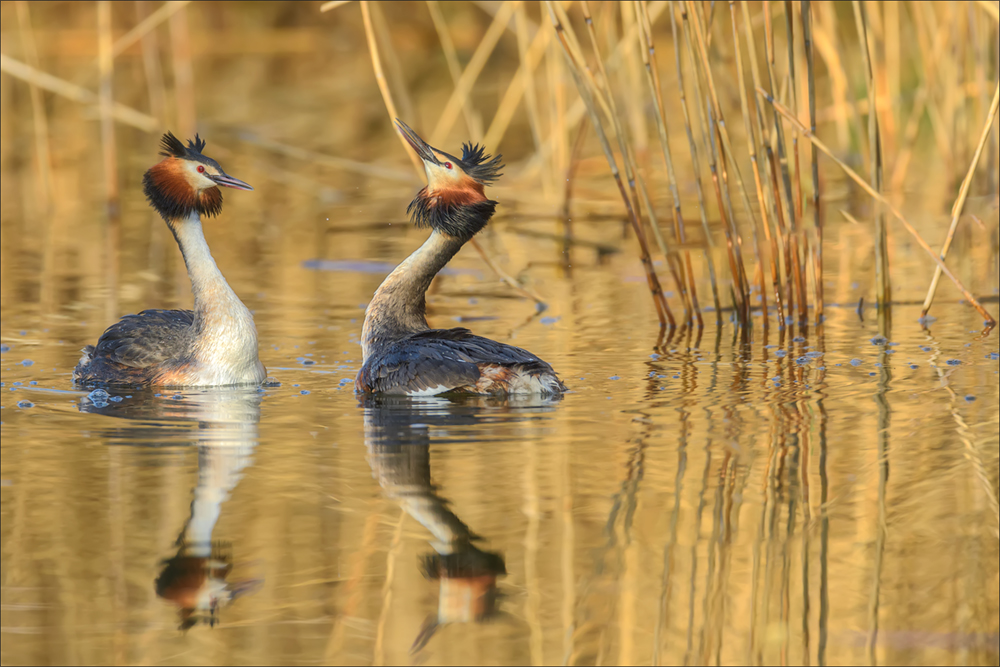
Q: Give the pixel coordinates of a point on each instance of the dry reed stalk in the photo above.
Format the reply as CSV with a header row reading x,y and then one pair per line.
x,y
556,144
659,299
990,8
395,67
696,168
776,161
519,84
146,26
471,73
450,55
752,149
568,192
882,278
853,175
151,65
180,40
632,175
390,106
824,43
807,42
43,164
332,4
525,72
963,192
717,155
40,123
110,158
63,88
645,33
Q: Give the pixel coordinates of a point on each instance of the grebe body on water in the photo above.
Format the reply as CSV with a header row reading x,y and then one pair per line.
x,y
401,354
214,344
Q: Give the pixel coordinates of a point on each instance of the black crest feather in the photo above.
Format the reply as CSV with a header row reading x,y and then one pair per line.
x,y
480,166
174,147
462,221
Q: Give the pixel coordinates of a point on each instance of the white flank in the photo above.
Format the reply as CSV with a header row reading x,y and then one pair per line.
x,y
431,391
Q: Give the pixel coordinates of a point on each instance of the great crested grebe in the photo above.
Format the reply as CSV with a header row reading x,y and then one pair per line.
x,y
216,343
401,353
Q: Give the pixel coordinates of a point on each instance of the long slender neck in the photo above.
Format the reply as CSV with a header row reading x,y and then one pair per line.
x,y
398,306
215,303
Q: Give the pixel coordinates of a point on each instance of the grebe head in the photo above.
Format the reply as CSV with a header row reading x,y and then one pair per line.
x,y
186,181
454,201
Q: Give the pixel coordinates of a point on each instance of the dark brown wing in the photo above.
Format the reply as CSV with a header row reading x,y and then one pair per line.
x,y
147,339
439,360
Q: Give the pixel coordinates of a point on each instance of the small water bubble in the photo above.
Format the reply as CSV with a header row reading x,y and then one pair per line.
x,y
157,395
821,368
115,399
970,398
176,397
654,356
953,362
25,404
878,365
549,320
914,366
799,339
777,378
925,348
856,362
16,384
781,354
33,382
98,395
344,381
614,377
871,373
27,362
879,340
993,355
677,377
308,362
4,348
304,392
770,347
803,360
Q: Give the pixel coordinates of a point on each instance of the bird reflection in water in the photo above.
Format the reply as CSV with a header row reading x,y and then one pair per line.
x,y
223,424
398,439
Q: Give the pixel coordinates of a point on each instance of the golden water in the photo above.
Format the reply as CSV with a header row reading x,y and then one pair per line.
x,y
698,499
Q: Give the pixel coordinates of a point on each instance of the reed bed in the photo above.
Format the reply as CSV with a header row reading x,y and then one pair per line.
x,y
663,120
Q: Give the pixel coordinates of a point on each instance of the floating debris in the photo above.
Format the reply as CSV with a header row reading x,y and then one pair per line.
x,y
25,404
953,362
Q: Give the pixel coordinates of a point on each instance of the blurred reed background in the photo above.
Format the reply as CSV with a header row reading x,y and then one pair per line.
x,y
655,113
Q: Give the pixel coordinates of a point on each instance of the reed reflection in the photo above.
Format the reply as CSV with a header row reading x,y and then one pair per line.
x,y
224,427
398,436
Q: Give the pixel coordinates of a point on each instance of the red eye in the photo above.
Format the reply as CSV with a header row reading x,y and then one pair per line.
x,y
201,169
447,165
